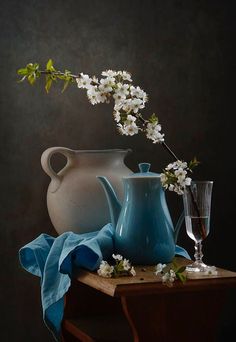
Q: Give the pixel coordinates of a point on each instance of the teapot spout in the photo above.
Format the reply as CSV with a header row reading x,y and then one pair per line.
x,y
113,202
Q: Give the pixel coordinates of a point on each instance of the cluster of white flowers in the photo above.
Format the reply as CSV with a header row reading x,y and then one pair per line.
x,y
170,273
128,101
175,177
167,277
122,267
105,270
159,268
153,132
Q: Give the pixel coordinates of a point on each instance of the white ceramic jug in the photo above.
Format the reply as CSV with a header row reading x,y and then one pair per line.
x,y
75,199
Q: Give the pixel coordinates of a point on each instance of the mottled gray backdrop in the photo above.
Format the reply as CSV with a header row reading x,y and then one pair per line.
x,y
179,52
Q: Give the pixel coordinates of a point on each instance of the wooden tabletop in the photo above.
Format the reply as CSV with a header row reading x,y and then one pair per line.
x,y
146,282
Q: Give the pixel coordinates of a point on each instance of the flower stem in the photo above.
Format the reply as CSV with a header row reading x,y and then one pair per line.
x,y
57,73
167,148
200,222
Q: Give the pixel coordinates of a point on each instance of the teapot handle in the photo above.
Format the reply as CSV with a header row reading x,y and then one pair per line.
x,y
178,225
47,167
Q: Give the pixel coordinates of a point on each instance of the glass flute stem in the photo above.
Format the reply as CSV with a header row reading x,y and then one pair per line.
x,y
198,255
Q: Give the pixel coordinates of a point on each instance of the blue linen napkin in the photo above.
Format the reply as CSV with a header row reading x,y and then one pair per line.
x,y
52,259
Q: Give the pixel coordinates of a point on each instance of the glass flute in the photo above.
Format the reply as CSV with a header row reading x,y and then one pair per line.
x,y
197,210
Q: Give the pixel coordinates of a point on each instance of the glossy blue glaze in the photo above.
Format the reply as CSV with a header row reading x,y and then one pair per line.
x,y
144,229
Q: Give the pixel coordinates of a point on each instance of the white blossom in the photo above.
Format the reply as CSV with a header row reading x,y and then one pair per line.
x,y
122,89
126,76
95,79
159,268
175,177
120,94
153,132
133,105
130,119
109,73
119,98
118,104
180,174
131,129
121,129
84,81
180,164
169,277
170,166
129,126
163,179
95,96
105,270
106,84
117,257
116,114
210,270
128,129
126,105
139,93
126,265
132,271
136,104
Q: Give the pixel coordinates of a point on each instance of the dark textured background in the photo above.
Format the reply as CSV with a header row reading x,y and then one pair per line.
x,y
179,52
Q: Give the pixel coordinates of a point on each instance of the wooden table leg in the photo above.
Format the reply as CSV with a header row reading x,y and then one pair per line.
x,y
90,316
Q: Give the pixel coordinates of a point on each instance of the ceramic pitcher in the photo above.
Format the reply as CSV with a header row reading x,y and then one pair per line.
x,y
75,200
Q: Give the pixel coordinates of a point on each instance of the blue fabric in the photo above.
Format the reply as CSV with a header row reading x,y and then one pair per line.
x,y
52,259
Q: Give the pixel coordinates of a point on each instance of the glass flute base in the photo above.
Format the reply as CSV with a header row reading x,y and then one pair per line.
x,y
197,267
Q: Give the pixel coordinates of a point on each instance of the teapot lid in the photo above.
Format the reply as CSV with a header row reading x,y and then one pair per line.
x,y
144,171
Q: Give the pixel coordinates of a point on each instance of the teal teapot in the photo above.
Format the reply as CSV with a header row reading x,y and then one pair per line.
x,y
144,231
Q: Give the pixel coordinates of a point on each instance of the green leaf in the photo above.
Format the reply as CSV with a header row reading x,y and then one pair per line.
x,y
193,163
50,66
181,269
30,72
32,78
174,263
48,83
62,77
66,83
22,71
35,66
181,277
32,67
153,118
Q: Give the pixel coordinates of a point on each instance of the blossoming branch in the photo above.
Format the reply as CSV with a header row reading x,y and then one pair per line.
x,y
128,100
122,267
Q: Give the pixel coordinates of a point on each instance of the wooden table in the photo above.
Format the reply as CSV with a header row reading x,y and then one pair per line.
x,y
142,309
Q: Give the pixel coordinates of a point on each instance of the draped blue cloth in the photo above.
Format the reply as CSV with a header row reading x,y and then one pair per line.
x,y
53,259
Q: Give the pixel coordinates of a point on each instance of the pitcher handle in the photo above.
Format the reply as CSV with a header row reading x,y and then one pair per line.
x,y
178,225
47,167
